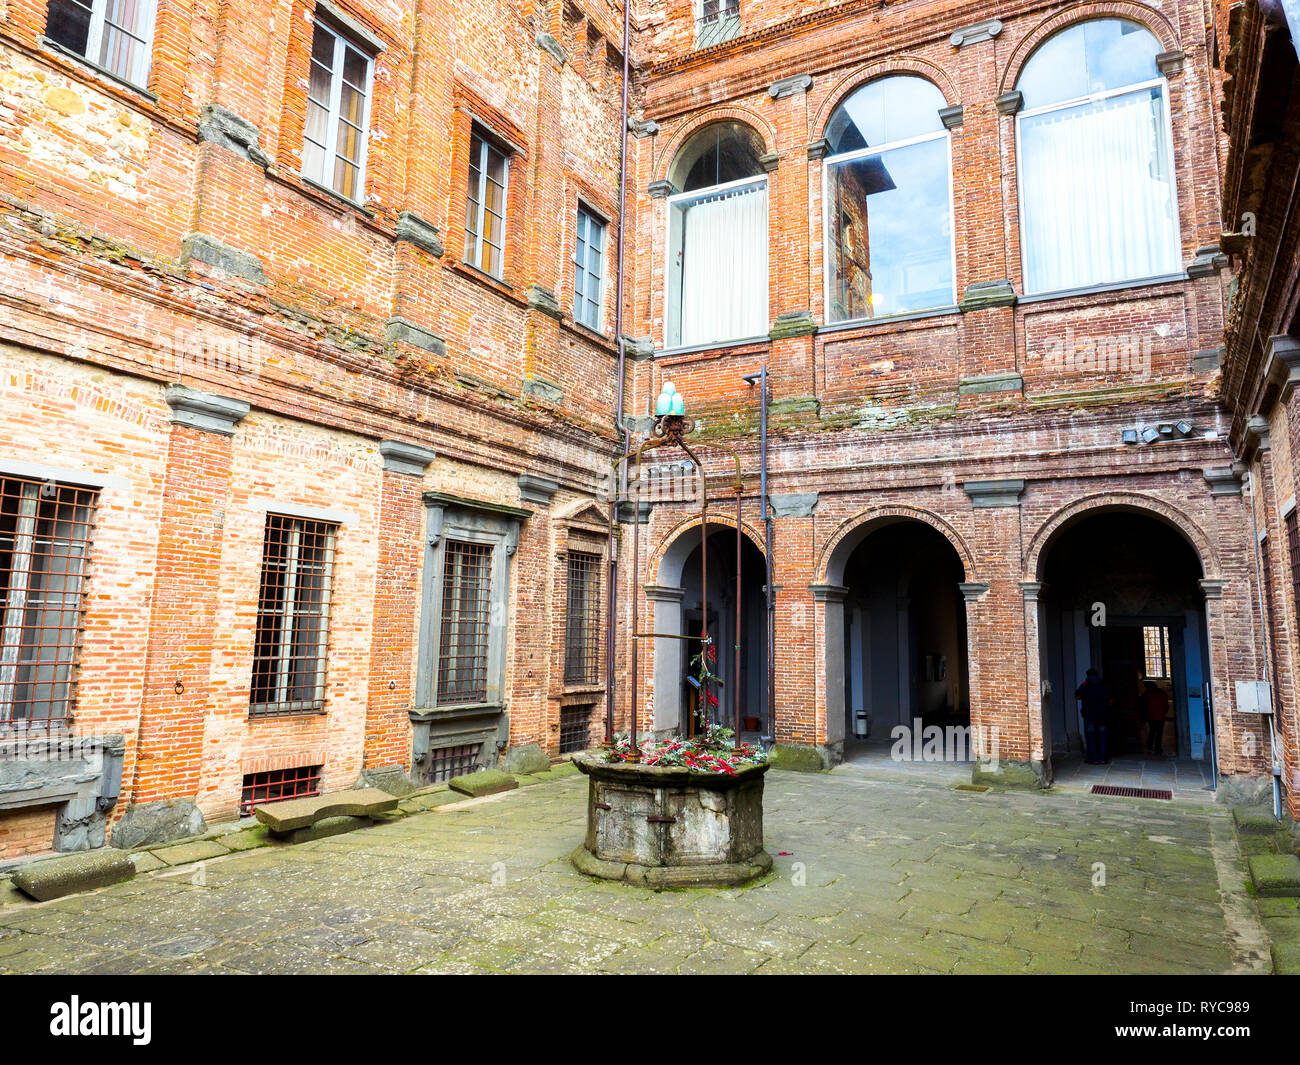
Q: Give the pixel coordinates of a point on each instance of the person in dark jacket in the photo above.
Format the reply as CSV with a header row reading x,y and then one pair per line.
x,y
1094,703
1155,704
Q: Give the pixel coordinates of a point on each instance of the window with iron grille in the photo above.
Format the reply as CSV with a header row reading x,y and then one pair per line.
x,y
114,35
448,762
485,205
466,617
575,728
293,611
716,21
277,785
588,269
582,622
44,543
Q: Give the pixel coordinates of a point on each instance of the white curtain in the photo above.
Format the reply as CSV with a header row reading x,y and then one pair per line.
x,y
724,267
1098,198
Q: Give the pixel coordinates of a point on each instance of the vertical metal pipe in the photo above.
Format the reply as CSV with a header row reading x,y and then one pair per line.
x,y
769,693
636,569
704,589
735,695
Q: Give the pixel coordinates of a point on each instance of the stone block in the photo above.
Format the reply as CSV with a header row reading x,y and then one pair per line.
x,y
798,758
144,824
1254,821
184,853
527,759
55,877
484,782
1275,875
326,827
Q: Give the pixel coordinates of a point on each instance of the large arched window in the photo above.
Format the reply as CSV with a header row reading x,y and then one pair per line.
x,y
717,239
888,197
1097,199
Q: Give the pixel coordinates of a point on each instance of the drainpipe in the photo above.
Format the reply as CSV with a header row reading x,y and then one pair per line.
x,y
1268,654
620,473
769,692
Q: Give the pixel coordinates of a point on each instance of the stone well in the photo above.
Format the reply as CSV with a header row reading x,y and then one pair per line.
x,y
667,826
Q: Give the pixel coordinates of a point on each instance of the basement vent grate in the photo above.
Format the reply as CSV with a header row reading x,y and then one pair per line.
x,y
1132,793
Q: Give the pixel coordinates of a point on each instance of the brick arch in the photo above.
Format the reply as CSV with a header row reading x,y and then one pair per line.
x,y
675,541
760,125
1133,502
855,79
1150,19
845,539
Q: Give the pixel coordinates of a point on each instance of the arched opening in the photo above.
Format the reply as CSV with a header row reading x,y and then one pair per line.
x,y
679,608
717,238
1120,595
904,634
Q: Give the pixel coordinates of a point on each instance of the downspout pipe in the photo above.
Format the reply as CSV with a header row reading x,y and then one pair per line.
x,y
620,471
1266,633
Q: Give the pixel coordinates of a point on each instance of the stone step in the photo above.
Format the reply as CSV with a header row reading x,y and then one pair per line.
x,y
1275,875
1254,821
484,782
293,814
55,877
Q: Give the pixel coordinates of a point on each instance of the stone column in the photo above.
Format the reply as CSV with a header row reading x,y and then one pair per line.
x,y
1037,720
396,605
669,657
178,658
831,598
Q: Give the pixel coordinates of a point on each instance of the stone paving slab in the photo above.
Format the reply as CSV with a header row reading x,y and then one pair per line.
x,y
887,874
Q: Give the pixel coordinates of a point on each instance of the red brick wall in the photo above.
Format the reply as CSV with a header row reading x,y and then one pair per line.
x,y
29,831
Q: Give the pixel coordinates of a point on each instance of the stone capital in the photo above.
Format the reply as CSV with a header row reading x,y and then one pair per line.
x,y
204,410
401,457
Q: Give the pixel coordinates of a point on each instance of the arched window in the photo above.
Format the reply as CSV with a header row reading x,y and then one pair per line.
x,y
888,197
717,238
1097,203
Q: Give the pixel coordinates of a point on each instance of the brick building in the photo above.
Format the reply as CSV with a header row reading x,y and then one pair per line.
x,y
1256,49
311,384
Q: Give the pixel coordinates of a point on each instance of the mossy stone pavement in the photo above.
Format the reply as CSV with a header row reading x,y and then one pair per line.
x,y
873,874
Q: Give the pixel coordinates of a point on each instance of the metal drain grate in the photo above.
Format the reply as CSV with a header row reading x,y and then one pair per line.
x,y
1132,793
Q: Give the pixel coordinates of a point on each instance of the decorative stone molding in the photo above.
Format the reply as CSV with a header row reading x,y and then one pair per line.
x,y
793,504
1030,590
1212,588
829,593
769,161
355,28
204,410
819,149
415,230
660,190
1256,439
662,593
625,512
401,457
1170,63
538,490
973,591
541,298
993,382
642,128
976,32
1282,363
399,330
1009,102
637,348
201,248
638,423
1223,480
1207,361
1208,260
551,47
440,503
952,116
791,86
793,324
80,775
223,127
540,388
1001,493
981,295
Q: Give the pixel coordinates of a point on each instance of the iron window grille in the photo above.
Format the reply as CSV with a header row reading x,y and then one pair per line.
x,y
45,532
485,206
448,762
289,653
466,618
114,35
582,620
588,270
338,111
718,21
278,785
575,728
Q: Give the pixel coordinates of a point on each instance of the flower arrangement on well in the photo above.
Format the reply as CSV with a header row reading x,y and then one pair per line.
x,y
711,750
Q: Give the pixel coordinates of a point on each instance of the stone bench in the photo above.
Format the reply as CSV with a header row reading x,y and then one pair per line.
x,y
53,878
323,815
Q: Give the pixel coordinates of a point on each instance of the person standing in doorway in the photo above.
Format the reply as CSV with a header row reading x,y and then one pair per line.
x,y
1094,703
1155,705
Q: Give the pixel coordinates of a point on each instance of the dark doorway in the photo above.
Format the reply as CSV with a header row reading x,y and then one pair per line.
x,y
905,633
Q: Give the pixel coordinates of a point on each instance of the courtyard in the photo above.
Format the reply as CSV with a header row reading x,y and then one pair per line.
x,y
878,869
